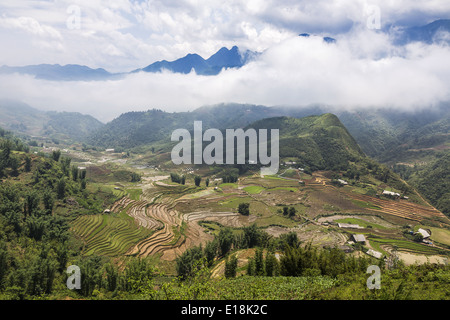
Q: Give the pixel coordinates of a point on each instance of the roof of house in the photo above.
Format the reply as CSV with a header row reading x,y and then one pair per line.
x,y
424,233
359,237
391,193
348,225
374,253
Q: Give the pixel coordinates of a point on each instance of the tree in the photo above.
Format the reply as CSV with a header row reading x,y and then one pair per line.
x,y
207,182
225,239
231,267
14,164
251,267
271,264
48,200
188,263
61,188
292,212
211,251
4,258
197,180
289,239
418,237
135,177
91,275
259,262
82,174
83,184
65,165
252,236
27,164
56,154
244,208
112,277
31,202
74,173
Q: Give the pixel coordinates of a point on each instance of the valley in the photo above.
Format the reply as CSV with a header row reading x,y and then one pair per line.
x,y
131,212
169,218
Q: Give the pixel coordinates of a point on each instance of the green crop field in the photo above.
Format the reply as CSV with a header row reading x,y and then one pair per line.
x,y
108,235
254,189
403,245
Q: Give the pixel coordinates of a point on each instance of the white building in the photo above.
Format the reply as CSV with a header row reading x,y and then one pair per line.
x,y
424,233
374,253
390,193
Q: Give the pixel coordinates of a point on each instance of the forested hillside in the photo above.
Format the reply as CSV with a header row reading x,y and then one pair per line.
x,y
39,197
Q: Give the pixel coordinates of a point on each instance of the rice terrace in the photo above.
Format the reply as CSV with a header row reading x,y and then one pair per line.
x,y
166,218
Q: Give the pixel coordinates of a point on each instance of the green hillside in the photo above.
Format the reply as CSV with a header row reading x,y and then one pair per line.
x,y
25,120
314,142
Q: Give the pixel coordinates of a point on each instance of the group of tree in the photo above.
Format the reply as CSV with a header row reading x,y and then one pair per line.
x,y
34,236
227,241
244,208
289,211
230,178
175,177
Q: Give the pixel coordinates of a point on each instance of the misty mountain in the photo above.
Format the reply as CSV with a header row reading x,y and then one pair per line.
x,y
326,39
436,31
56,72
21,118
224,58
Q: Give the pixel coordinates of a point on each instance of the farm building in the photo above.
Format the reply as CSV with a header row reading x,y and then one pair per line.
x,y
424,233
107,211
391,194
348,225
343,182
374,253
358,238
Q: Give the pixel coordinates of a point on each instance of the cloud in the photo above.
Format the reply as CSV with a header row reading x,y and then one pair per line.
x,y
361,70
121,35
30,25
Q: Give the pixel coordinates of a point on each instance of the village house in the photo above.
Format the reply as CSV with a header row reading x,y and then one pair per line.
x,y
424,233
391,194
358,238
374,253
348,225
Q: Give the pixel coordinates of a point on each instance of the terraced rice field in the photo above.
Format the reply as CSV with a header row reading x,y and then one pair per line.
x,y
107,235
401,208
403,245
171,236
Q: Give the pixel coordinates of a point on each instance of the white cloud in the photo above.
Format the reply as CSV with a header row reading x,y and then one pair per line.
x,y
30,25
298,71
362,69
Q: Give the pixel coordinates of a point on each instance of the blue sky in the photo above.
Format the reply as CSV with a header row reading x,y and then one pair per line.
x,y
363,69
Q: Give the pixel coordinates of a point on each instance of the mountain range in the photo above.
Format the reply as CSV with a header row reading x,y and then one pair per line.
x,y
414,144
436,31
222,59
